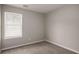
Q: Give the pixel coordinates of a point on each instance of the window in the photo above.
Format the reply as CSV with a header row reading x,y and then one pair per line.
x,y
12,25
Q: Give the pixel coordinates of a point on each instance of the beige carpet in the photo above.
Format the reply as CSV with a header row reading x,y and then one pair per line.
x,y
38,48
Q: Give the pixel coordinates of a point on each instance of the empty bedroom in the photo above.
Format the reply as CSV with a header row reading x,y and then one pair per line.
x,y
39,28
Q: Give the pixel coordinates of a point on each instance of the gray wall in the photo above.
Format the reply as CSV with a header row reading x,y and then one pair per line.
x,y
62,27
33,27
0,28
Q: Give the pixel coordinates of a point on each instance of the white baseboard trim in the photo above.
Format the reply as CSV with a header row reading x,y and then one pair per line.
x,y
22,45
41,41
63,46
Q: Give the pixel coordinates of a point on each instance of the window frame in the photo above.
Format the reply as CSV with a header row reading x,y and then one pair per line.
x,y
4,25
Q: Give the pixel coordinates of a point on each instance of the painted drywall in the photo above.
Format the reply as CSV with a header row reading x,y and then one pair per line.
x,y
62,27
33,27
0,28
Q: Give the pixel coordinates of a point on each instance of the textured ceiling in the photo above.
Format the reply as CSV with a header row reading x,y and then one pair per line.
x,y
42,8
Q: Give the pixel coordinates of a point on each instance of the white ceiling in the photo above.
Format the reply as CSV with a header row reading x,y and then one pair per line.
x,y
42,8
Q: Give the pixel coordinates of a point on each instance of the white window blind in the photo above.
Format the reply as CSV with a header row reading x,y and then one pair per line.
x,y
12,25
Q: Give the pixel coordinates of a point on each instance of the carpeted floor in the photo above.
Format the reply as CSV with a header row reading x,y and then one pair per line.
x,y
38,48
